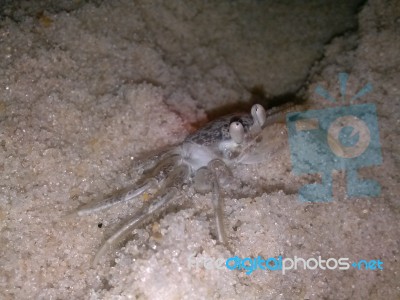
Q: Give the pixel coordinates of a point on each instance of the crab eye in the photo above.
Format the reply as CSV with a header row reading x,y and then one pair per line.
x,y
259,115
236,131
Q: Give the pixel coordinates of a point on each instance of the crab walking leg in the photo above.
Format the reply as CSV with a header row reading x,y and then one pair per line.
x,y
161,199
219,219
208,179
137,220
150,160
163,167
122,197
151,179
220,172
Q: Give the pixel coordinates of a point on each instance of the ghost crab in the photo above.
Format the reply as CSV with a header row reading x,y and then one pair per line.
x,y
204,159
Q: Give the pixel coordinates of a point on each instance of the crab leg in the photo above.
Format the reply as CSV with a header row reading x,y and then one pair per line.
x,y
208,179
121,197
219,219
170,188
219,172
151,179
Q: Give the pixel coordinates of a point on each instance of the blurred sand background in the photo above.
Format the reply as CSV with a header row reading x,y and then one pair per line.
x,y
86,87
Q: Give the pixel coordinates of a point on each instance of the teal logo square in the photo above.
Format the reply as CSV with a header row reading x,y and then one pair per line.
x,y
341,138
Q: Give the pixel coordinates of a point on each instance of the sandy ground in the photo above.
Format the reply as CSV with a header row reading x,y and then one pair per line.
x,y
84,93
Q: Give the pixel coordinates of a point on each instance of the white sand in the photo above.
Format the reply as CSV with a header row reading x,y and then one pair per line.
x,y
82,94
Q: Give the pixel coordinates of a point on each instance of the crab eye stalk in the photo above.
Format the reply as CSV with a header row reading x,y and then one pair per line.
x,y
236,131
259,115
